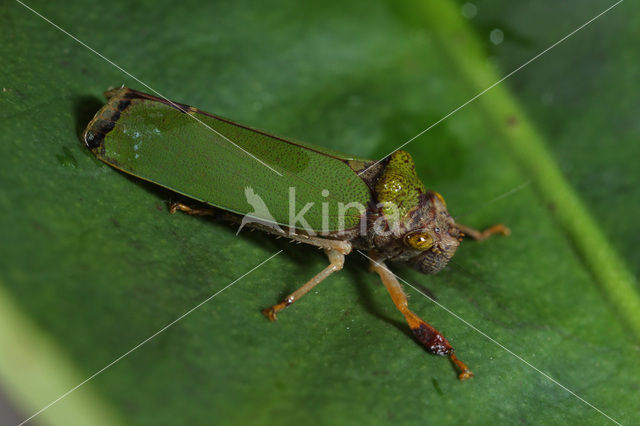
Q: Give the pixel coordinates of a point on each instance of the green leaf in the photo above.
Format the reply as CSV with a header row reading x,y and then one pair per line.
x,y
92,264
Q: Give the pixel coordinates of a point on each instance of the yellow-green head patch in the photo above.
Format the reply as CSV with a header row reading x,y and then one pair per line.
x,y
399,187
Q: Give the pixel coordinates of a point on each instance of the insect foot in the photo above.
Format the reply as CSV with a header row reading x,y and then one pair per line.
x,y
270,313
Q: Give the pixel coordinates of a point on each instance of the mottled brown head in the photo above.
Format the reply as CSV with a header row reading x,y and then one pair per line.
x,y
433,243
424,235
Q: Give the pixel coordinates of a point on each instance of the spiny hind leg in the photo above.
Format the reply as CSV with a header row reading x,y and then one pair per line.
x,y
482,235
336,261
341,246
175,206
430,338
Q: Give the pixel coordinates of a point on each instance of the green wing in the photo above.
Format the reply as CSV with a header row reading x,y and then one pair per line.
x,y
160,142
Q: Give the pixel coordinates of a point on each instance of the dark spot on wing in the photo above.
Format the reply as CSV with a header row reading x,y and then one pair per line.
x,y
123,104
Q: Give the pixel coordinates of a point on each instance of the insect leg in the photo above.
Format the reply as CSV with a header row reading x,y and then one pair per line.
x,y
174,207
481,235
343,247
430,338
336,260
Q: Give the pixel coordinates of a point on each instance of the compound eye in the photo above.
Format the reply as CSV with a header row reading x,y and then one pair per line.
x,y
419,240
440,198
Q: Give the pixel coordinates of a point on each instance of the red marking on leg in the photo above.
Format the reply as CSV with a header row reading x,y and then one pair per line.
x,y
432,340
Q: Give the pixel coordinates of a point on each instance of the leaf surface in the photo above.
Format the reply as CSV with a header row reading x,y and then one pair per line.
x,y
94,261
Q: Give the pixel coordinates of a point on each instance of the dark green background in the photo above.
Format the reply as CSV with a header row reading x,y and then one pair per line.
x,y
93,258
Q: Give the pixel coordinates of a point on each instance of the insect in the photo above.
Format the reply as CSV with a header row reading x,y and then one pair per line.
x,y
290,189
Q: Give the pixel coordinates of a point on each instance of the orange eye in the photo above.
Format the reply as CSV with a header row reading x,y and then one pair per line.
x,y
419,240
440,198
